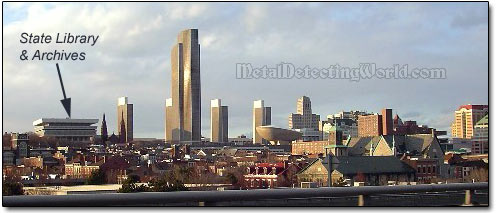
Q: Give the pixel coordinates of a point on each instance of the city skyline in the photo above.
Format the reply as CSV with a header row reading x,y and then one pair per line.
x,y
144,63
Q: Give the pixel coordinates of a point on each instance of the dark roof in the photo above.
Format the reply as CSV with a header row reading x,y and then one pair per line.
x,y
351,165
115,162
417,143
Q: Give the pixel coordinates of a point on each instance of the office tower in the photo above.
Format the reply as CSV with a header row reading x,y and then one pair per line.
x,y
168,120
261,117
369,125
66,129
303,118
465,118
103,130
218,121
387,121
185,122
125,117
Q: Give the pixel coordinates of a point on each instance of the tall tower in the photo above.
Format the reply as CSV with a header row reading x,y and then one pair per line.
x,y
103,130
465,119
125,115
185,122
303,118
218,121
261,117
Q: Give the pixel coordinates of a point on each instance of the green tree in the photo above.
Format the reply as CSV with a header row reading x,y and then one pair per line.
x,y
232,179
168,183
12,188
97,177
130,185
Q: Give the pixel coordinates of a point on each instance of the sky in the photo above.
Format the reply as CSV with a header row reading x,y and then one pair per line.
x,y
132,58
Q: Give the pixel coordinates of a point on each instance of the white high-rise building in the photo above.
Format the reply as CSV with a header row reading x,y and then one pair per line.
x,y
261,117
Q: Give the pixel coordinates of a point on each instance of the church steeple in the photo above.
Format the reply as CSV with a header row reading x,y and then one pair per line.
x,y
104,132
122,136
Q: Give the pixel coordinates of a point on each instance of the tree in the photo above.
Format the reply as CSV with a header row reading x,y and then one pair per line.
x,y
232,178
130,185
235,176
168,183
97,177
12,188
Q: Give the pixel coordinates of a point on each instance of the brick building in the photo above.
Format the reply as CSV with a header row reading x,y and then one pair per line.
x,y
369,125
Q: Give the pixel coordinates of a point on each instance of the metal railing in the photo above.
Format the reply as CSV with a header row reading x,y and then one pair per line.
x,y
211,197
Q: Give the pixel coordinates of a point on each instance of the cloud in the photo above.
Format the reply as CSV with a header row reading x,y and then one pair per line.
x,y
132,58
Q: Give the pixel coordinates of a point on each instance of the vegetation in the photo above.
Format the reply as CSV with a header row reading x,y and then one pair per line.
x,y
172,181
12,188
130,185
235,176
97,177
166,184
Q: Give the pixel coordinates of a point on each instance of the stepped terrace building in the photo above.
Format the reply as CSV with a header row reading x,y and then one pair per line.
x,y
66,129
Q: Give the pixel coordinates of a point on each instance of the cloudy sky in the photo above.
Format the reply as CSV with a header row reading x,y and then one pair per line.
x,y
132,58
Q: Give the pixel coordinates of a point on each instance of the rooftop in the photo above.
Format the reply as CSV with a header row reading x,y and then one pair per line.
x,y
470,106
65,120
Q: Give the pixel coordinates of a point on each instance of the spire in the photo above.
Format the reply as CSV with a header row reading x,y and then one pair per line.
x,y
122,135
104,132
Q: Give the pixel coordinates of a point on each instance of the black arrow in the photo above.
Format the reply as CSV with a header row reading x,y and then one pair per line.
x,y
66,102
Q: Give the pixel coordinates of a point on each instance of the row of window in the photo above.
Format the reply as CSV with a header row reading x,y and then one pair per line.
x,y
426,169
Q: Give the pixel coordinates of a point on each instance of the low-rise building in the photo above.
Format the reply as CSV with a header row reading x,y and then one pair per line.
x,y
371,170
80,169
270,175
66,129
36,162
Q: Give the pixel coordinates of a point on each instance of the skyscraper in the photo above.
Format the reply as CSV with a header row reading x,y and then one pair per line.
x,y
103,130
465,119
185,116
125,117
303,118
261,117
218,121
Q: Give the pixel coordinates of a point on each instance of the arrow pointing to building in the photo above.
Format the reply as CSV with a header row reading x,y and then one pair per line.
x,y
66,102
